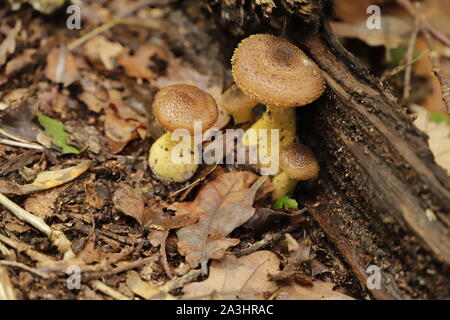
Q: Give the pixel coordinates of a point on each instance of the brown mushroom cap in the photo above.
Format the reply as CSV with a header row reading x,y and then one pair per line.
x,y
178,106
234,100
274,72
298,161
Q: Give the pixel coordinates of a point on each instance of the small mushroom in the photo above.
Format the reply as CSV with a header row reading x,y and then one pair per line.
x,y
178,107
272,71
237,104
297,162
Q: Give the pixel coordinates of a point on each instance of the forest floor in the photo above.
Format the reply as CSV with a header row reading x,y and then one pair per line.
x,y
75,134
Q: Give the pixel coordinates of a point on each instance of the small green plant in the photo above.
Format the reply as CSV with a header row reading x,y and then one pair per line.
x,y
285,202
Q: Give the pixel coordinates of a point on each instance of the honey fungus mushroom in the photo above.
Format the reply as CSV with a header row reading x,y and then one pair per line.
x,y
297,162
274,72
179,107
237,104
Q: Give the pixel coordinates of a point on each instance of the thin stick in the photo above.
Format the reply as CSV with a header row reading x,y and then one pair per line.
x,y
409,58
108,25
132,265
57,237
6,287
21,144
23,247
100,286
435,32
24,267
5,251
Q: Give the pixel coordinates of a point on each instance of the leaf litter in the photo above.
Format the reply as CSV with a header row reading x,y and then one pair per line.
x,y
141,238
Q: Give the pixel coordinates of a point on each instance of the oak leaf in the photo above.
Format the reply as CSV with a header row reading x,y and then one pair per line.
x,y
221,206
246,277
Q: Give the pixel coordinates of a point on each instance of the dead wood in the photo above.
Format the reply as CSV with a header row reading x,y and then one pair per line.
x,y
381,198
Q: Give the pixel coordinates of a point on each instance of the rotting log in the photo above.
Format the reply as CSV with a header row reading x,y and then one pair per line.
x,y
381,198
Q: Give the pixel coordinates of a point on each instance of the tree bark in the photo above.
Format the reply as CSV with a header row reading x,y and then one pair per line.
x,y
381,197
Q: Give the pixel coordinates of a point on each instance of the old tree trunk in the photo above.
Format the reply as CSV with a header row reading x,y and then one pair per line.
x,y
381,198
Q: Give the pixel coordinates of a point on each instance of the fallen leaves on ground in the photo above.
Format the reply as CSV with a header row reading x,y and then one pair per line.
x,y
47,179
318,291
221,206
237,278
61,66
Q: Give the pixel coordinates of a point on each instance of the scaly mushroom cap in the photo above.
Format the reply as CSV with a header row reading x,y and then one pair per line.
x,y
274,72
178,106
298,161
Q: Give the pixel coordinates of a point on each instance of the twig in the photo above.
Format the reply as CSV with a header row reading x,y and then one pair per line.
x,y
108,25
57,237
132,265
435,32
100,286
409,58
24,267
21,144
427,30
5,251
23,247
6,288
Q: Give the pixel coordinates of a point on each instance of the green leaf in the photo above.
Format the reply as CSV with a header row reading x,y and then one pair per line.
x,y
285,202
55,129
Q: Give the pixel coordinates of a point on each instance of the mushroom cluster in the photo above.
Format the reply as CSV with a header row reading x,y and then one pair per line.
x,y
179,107
274,72
267,70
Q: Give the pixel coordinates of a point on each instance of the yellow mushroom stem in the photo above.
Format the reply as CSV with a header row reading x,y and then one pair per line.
x,y
237,104
283,185
163,162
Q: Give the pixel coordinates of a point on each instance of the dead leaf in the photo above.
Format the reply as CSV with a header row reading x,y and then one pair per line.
x,y
61,67
119,131
221,206
150,215
101,49
20,62
318,291
139,64
46,180
145,289
237,278
439,136
130,202
8,45
42,204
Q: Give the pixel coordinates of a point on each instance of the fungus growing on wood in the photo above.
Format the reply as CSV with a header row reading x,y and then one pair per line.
x,y
297,162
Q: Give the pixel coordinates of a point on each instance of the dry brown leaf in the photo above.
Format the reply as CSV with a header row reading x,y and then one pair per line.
x,y
150,215
130,202
101,49
138,65
439,136
47,179
318,291
61,67
20,62
145,289
119,131
8,45
246,277
42,204
222,205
